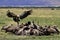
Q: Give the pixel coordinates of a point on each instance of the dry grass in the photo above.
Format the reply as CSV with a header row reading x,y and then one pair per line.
x,y
40,16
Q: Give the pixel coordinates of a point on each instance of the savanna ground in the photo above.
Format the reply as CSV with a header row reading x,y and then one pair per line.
x,y
41,16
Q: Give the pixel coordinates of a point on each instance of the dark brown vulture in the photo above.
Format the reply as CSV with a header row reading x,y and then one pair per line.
x,y
17,18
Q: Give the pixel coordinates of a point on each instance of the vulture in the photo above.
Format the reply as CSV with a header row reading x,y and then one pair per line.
x,y
17,18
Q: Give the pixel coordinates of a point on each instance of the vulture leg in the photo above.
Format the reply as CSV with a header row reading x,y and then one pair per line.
x,y
18,24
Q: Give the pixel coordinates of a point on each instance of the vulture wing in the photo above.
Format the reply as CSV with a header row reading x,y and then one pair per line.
x,y
10,14
25,14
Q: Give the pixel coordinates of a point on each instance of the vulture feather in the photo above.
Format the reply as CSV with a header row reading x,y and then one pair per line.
x,y
17,18
25,14
10,14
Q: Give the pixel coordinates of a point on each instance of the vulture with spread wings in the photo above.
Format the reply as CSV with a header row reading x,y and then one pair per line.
x,y
17,18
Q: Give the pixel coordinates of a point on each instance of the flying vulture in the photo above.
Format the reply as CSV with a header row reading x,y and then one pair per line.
x,y
17,18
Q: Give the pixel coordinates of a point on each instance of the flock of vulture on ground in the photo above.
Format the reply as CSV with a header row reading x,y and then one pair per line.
x,y
29,28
